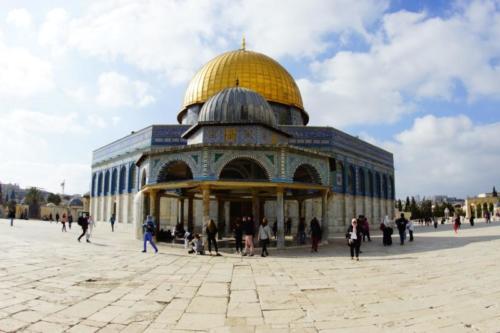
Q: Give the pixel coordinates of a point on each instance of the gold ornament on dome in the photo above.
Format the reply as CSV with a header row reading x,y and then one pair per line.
x,y
249,69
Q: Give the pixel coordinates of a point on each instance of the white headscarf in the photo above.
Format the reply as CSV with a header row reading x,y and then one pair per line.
x,y
386,221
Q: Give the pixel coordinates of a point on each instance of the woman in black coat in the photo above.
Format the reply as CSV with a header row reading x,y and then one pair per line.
x,y
353,236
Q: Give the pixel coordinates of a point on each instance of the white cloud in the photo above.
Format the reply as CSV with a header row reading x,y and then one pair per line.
x,y
19,17
54,32
446,155
176,37
23,74
26,140
116,90
413,57
300,28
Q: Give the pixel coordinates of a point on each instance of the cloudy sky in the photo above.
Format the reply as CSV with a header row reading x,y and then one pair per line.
x,y
419,78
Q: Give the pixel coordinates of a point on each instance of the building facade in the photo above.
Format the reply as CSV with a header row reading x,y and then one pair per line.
x,y
242,148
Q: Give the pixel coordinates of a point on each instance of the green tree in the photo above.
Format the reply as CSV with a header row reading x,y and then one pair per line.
x,y
34,199
54,198
400,205
415,212
426,209
407,204
495,192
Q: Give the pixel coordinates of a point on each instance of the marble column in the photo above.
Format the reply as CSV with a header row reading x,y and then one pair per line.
x,y
206,209
280,217
190,220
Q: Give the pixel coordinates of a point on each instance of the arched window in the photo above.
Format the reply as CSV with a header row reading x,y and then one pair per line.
x,y
99,184
340,176
351,181
306,173
378,185
121,183
392,191
371,191
143,178
106,183
131,177
114,179
93,190
362,186
174,171
244,169
384,187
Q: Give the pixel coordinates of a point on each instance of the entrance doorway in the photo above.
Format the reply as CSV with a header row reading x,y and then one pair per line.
x,y
238,209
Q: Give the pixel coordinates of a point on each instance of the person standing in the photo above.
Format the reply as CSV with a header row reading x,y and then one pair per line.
x,y
57,217
70,220
249,231
353,236
212,231
456,223
410,229
149,229
435,222
401,224
112,220
365,227
90,227
63,222
84,223
386,231
264,237
238,236
315,234
12,216
471,220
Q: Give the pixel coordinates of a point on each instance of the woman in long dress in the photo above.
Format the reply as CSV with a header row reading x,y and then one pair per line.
x,y
90,228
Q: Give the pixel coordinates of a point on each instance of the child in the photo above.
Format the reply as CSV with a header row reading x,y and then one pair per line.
x,y
198,247
187,238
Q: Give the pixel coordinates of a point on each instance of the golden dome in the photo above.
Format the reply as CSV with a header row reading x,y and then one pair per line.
x,y
246,69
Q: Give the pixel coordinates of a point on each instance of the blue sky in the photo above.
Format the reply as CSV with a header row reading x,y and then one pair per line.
x,y
419,78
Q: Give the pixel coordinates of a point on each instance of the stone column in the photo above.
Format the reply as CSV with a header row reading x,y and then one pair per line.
x,y
467,209
220,217
206,208
181,217
324,215
280,217
153,209
190,214
138,214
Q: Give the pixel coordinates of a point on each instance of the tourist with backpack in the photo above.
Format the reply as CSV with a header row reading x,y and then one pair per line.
x,y
149,231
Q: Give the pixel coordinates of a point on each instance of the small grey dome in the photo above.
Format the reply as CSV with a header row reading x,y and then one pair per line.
x,y
75,202
237,106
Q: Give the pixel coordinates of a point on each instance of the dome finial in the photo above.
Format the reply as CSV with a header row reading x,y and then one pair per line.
x,y
243,43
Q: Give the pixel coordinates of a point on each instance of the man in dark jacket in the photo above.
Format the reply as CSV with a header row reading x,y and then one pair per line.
x,y
84,223
401,224
12,216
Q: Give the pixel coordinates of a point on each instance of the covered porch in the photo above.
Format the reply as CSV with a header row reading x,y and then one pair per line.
x,y
225,200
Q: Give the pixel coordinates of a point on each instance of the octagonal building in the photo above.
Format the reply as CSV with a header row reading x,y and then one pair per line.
x,y
242,148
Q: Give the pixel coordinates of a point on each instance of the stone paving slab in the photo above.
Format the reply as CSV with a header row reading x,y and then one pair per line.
x,y
442,282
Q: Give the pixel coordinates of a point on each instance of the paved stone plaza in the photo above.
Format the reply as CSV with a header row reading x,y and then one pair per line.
x,y
51,283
